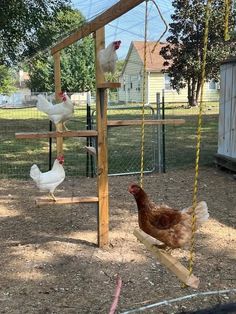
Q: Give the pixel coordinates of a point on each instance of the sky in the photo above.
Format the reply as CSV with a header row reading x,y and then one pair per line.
x,y
130,26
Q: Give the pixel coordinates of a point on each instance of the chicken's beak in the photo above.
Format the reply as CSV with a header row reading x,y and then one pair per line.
x,y
117,44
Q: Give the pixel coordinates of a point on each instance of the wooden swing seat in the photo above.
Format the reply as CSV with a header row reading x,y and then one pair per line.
x,y
167,260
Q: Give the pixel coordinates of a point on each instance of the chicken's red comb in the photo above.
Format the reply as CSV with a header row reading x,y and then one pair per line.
x,y
61,159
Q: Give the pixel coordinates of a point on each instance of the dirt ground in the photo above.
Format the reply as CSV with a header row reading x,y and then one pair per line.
x,y
50,262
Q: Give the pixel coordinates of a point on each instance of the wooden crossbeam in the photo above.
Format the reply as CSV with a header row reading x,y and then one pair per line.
x,y
103,19
91,150
167,260
66,200
109,85
146,122
85,133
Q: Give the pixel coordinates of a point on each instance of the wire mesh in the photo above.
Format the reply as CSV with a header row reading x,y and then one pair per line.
x,y
18,155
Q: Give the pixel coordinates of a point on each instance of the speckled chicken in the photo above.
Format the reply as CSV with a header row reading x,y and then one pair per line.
x,y
170,226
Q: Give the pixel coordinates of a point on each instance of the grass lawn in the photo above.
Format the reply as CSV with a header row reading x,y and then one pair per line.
x,y
17,156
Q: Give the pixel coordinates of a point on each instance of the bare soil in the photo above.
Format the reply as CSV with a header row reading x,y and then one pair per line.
x,y
50,262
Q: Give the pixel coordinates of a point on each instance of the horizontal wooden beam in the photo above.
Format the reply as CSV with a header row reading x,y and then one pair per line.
x,y
167,260
106,17
146,122
66,200
85,133
109,85
91,150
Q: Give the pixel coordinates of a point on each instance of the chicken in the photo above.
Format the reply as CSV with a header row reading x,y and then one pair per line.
x,y
108,57
49,181
57,113
170,226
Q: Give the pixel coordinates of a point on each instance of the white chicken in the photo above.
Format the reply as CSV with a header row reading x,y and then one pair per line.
x,y
61,112
108,57
49,181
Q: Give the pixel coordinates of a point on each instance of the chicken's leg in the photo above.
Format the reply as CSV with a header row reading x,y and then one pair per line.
x,y
58,127
65,127
52,196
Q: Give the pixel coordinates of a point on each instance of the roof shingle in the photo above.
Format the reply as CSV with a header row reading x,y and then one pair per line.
x,y
154,59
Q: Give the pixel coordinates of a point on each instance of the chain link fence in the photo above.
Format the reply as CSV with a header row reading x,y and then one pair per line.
x,y
124,143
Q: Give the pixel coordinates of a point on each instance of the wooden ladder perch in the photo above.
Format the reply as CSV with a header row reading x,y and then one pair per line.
x,y
167,260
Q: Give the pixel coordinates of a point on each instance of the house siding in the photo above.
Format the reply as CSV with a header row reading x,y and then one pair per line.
x,y
132,74
155,83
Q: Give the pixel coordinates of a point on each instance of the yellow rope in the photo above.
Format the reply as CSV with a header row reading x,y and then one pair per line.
x,y
195,190
227,11
144,96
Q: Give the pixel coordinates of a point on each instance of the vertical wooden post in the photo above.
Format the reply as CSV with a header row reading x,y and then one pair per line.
x,y
57,80
102,162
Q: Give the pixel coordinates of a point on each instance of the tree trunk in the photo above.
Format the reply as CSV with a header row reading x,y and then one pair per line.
x,y
192,93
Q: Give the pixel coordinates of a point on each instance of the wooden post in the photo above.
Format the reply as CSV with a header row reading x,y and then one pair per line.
x,y
102,160
57,80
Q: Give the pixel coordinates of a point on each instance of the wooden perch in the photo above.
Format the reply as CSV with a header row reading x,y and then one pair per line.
x,y
108,85
66,200
167,260
86,133
114,123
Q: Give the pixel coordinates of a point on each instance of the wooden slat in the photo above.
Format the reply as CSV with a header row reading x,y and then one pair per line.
x,y
146,122
102,159
85,133
109,85
91,150
111,14
167,260
66,200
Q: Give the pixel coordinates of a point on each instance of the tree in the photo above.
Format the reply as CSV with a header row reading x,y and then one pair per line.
x,y
77,60
20,25
6,80
184,51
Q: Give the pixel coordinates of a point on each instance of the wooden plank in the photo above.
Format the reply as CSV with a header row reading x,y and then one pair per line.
x,y
233,114
106,17
91,150
57,81
221,127
66,200
146,122
167,260
84,133
109,85
226,162
102,158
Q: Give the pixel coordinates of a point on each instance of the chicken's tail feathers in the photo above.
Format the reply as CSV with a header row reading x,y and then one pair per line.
x,y
201,212
35,172
43,104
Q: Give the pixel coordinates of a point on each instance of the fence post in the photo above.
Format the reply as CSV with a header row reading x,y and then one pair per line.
x,y
163,134
158,159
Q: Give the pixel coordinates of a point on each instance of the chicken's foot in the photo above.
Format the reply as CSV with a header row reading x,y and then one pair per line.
x,y
52,196
163,247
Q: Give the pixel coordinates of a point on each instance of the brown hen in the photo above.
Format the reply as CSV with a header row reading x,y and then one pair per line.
x,y
168,225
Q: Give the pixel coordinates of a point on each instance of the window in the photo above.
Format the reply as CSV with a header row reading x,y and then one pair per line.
x,y
212,85
167,81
